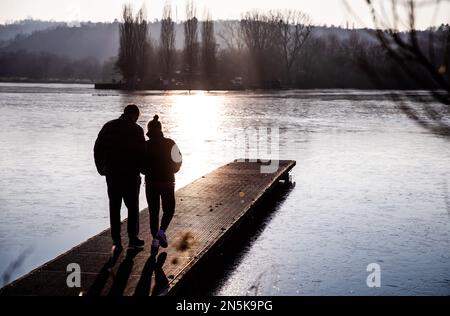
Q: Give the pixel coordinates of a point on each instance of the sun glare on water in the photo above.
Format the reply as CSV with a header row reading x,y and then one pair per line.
x,y
196,120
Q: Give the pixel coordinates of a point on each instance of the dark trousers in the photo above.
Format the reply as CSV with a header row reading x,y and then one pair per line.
x,y
157,192
124,187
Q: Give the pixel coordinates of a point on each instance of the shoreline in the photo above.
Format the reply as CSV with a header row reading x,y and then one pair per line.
x,y
116,87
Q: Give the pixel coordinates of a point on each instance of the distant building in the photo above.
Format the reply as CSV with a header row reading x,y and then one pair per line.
x,y
237,82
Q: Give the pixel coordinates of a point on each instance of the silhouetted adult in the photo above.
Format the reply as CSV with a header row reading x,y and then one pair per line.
x,y
162,160
118,154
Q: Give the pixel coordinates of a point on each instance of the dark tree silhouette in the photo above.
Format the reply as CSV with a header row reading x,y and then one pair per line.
x,y
259,35
134,48
143,46
190,53
167,42
293,30
209,49
127,61
231,35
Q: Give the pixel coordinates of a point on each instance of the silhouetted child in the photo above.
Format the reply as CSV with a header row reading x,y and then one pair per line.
x,y
162,160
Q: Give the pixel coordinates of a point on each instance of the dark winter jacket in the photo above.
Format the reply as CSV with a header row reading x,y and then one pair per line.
x,y
162,160
120,148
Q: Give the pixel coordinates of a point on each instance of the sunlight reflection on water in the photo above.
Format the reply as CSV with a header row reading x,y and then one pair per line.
x,y
371,185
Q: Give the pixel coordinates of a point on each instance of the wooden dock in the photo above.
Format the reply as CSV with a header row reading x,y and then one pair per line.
x,y
208,211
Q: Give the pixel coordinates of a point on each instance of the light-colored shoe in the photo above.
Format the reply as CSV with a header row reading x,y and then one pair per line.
x,y
161,236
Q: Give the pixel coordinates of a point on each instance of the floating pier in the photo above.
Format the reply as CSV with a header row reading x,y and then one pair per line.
x,y
208,211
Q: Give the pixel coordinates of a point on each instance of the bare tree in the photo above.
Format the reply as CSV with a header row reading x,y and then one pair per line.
x,y
127,61
426,64
209,48
190,42
143,47
231,35
167,42
258,32
134,47
293,29
232,55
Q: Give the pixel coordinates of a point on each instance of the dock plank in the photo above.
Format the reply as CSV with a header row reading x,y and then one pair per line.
x,y
207,210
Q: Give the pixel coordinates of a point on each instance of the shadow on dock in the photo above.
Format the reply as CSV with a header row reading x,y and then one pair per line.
x,y
153,267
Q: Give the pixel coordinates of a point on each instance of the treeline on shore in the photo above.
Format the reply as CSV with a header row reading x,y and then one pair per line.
x,y
33,66
275,49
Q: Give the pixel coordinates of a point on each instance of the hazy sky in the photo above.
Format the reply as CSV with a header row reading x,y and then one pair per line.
x,y
321,11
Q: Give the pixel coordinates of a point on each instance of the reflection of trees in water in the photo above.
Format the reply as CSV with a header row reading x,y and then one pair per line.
x,y
14,267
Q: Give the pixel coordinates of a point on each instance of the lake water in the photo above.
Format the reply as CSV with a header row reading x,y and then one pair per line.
x,y
371,186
